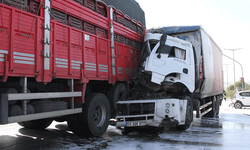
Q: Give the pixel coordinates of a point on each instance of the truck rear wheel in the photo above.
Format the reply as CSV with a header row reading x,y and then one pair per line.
x,y
189,115
94,119
30,110
40,124
118,92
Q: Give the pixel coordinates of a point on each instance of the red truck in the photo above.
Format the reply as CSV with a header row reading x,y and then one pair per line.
x,y
67,60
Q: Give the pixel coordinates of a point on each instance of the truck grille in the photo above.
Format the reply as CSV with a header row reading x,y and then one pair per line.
x,y
136,109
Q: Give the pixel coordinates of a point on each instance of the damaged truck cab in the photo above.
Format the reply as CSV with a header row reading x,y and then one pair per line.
x,y
171,61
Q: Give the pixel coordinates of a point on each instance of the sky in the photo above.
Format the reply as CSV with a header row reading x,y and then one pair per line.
x,y
226,21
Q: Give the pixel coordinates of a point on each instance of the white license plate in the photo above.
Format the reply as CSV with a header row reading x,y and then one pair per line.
x,y
135,124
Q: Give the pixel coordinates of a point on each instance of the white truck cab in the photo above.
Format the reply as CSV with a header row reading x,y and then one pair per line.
x,y
170,62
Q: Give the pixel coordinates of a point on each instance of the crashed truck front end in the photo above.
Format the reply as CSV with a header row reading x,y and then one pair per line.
x,y
170,62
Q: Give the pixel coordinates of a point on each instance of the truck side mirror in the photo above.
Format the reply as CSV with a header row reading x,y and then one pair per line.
x,y
163,40
159,55
162,43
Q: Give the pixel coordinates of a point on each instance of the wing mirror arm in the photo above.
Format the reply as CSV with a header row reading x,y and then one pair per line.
x,y
162,43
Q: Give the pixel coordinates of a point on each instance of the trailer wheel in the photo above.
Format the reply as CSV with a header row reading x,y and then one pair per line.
x,y
30,110
40,124
9,91
189,115
94,119
15,110
118,92
72,124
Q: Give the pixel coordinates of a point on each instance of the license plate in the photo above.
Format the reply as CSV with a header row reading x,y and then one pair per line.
x,y
135,124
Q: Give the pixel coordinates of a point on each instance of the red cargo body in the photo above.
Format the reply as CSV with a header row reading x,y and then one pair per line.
x,y
76,52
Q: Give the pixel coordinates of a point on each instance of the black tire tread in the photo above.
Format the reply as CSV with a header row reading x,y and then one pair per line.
x,y
113,96
80,124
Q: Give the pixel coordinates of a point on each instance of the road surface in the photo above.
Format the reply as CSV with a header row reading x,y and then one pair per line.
x,y
231,130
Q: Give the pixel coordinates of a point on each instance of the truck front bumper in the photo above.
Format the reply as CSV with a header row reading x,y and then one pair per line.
x,y
157,113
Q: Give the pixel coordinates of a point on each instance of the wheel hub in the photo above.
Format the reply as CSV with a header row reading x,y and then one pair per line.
x,y
99,115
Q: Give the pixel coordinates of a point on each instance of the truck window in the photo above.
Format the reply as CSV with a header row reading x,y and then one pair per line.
x,y
173,52
165,50
152,44
179,53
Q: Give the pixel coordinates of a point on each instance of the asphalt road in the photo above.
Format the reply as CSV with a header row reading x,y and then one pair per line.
x,y
231,130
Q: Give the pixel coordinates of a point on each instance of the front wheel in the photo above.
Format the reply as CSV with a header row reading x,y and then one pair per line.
x,y
238,105
189,116
118,92
94,119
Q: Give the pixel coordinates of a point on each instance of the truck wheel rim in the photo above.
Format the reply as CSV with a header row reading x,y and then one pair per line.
x,y
99,115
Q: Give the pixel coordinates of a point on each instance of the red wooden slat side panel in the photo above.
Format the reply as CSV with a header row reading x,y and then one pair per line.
x,y
103,58
127,62
61,56
134,60
90,57
5,17
120,66
91,64
76,52
24,49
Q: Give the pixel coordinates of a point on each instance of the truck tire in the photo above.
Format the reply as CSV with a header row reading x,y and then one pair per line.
x,y
30,110
189,115
72,124
94,119
118,92
40,124
46,106
15,110
7,91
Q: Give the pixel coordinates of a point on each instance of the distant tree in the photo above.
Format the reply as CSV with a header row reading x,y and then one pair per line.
x,y
238,85
247,86
230,92
231,87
